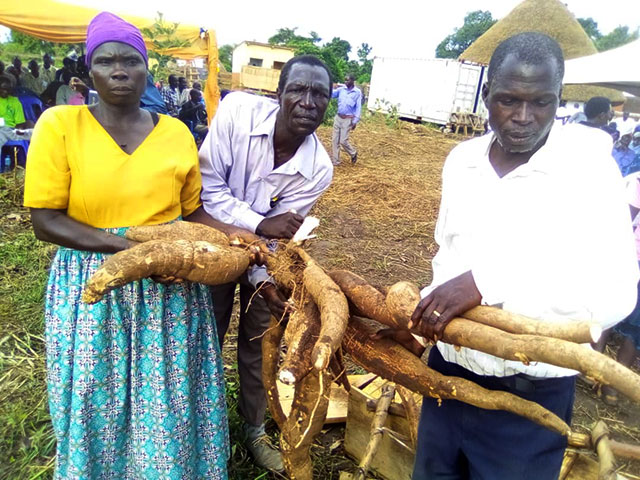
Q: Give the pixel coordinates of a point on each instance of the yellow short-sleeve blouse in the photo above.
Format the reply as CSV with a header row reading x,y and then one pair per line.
x,y
75,165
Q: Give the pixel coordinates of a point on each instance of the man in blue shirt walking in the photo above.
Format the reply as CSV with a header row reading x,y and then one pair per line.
x,y
349,105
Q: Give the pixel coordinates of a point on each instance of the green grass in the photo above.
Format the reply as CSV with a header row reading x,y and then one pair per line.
x,y
27,440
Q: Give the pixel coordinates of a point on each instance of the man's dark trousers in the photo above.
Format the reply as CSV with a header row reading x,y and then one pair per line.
x,y
460,441
252,401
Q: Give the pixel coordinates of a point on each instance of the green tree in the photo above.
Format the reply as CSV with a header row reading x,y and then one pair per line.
x,y
31,44
340,48
163,38
285,36
309,46
26,46
616,38
475,24
225,54
590,26
366,65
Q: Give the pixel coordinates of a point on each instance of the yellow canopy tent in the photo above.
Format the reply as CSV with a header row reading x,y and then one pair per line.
x,y
61,22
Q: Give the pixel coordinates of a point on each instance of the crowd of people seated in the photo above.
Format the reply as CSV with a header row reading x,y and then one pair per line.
x,y
26,92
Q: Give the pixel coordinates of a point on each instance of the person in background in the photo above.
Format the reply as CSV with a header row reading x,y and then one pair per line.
x,y
629,328
65,92
624,156
33,79
183,91
48,71
198,86
80,92
48,97
348,115
514,230
17,70
135,381
11,110
194,114
599,114
263,168
152,97
68,65
170,96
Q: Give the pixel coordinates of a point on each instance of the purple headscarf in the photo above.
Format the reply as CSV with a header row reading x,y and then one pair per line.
x,y
107,27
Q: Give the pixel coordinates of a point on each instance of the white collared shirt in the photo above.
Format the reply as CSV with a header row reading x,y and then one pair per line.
x,y
239,183
551,240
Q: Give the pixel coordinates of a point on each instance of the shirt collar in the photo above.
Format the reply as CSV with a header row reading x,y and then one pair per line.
x,y
303,161
267,125
539,161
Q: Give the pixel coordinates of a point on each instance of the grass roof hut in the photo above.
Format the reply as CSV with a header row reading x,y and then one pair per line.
x,y
554,19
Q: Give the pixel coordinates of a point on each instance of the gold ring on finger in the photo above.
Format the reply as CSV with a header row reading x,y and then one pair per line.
x,y
436,313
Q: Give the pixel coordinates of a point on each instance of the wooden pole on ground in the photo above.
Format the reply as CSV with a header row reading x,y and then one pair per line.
x,y
377,424
606,460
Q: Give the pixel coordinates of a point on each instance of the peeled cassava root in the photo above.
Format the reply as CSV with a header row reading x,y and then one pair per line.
x,y
524,348
195,261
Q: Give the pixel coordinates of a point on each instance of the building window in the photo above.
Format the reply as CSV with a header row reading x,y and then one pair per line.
x,y
255,62
278,65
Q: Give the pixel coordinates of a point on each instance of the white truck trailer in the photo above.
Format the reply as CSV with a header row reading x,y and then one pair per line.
x,y
428,90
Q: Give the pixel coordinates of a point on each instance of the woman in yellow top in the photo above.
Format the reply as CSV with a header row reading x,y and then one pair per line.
x,y
135,382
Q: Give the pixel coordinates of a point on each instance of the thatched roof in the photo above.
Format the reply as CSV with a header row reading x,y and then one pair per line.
x,y
632,105
546,16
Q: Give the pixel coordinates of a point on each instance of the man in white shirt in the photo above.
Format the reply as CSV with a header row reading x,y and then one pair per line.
x,y
532,219
263,168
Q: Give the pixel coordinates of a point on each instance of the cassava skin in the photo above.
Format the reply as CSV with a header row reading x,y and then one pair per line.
x,y
393,362
199,262
301,335
403,300
366,300
179,230
334,313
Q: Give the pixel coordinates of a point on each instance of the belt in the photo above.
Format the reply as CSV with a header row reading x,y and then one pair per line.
x,y
345,116
522,382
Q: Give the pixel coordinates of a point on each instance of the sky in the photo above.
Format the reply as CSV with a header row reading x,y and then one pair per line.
x,y
401,28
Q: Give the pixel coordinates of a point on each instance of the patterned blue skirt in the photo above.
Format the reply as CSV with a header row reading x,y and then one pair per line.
x,y
136,382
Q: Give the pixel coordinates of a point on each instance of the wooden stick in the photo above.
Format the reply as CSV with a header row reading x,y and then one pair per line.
x,y
395,409
388,391
607,462
624,450
567,464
